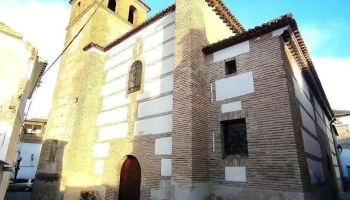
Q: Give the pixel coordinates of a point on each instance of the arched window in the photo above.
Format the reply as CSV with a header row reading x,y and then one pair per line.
x,y
112,5
135,76
132,15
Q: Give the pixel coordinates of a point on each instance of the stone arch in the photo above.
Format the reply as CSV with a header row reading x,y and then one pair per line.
x,y
132,15
130,179
112,5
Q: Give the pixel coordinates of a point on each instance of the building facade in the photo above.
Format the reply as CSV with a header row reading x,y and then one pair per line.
x,y
20,68
30,146
186,105
342,124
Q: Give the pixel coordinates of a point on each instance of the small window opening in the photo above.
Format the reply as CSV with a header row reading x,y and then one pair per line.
x,y
135,77
132,15
235,137
112,5
230,67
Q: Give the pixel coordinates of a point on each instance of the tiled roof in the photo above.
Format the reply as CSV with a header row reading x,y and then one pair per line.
x,y
9,31
137,29
294,41
340,113
257,31
37,120
225,14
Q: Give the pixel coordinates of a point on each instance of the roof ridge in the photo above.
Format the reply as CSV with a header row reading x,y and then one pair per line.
x,y
274,23
225,14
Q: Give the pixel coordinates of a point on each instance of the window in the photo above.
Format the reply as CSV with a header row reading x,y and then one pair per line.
x,y
135,76
112,5
230,67
235,137
132,15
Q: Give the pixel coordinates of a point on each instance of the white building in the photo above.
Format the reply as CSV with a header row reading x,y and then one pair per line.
x,y
20,68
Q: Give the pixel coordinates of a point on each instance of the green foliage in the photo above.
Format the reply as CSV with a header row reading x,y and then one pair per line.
x,y
87,195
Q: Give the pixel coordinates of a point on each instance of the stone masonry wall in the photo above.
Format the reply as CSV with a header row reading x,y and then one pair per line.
x,y
71,166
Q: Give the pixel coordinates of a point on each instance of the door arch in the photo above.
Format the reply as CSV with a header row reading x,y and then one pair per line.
x,y
130,179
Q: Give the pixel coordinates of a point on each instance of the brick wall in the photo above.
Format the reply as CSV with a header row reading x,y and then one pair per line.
x,y
272,161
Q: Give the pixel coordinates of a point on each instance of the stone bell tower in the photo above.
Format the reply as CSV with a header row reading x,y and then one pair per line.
x,y
64,170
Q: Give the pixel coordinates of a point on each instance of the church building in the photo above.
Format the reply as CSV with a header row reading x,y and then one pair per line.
x,y
186,105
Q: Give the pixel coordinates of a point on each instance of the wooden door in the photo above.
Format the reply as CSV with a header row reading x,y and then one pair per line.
x,y
130,180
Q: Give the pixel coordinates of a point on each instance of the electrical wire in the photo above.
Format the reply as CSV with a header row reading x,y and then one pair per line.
x,y
59,56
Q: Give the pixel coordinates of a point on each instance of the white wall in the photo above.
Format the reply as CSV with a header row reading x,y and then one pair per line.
x,y
156,106
316,171
158,64
231,52
28,167
156,125
311,146
241,84
231,107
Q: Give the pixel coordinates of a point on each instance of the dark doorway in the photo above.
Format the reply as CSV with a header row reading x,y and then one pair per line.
x,y
130,180
112,5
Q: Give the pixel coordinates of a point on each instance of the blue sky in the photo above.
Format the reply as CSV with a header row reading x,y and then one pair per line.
x,y
328,21
324,24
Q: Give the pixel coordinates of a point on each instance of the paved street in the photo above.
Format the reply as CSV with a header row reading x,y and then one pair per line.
x,y
17,196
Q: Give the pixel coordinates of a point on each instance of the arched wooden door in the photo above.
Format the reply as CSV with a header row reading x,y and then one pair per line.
x,y
130,180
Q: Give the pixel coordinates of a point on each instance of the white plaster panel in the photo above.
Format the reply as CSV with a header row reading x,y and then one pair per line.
x,y
118,71
231,107
320,123
279,32
163,146
318,109
316,171
113,132
334,159
156,125
332,146
299,78
166,167
155,106
232,51
337,172
157,87
98,169
159,24
239,85
311,146
113,116
100,150
159,68
308,122
159,37
122,56
303,99
159,52
114,86
114,101
329,134
236,174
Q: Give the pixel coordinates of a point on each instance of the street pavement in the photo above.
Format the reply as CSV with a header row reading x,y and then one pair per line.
x,y
17,196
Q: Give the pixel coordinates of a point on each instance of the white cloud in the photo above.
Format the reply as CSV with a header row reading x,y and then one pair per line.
x,y
43,24
335,78
315,38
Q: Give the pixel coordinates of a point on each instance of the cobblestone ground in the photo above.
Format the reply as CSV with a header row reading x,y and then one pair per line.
x,y
17,196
